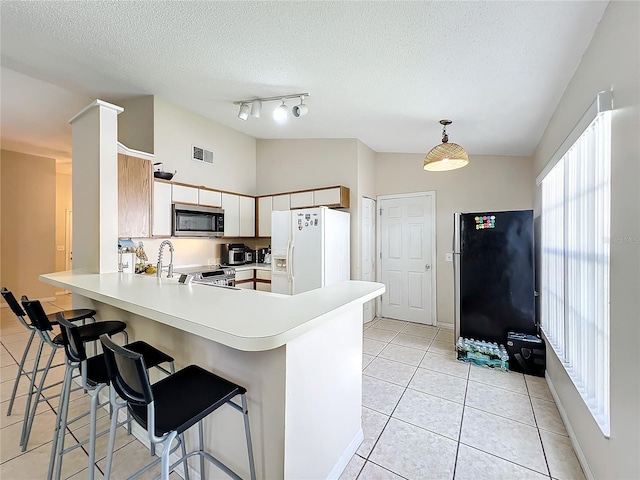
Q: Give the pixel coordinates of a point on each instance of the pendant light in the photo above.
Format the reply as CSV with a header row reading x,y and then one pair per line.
x,y
446,156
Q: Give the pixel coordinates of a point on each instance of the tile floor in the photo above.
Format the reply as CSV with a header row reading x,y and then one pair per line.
x,y
425,415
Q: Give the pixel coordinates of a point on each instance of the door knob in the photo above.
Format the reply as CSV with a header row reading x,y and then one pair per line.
x,y
427,266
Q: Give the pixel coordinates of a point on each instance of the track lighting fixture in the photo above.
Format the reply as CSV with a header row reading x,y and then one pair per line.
x,y
280,113
243,114
253,107
300,110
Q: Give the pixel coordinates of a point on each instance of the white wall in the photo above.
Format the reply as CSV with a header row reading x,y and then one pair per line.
x,y
487,183
136,123
612,61
177,129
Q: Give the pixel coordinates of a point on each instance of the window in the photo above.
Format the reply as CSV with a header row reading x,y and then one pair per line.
x,y
575,261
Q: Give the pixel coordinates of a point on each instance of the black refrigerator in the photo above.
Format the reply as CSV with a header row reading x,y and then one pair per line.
x,y
494,274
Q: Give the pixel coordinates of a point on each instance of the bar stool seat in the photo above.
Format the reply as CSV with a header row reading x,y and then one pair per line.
x,y
185,398
92,331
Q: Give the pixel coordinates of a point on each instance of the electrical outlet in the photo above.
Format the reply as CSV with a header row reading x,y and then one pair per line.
x,y
448,257
60,248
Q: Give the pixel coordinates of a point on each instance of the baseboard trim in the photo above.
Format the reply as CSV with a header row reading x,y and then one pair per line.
x,y
572,436
345,458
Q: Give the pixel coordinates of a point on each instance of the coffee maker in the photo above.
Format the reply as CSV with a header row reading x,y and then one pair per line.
x,y
263,255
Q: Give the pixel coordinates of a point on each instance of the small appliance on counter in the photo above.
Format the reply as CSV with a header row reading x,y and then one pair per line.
x,y
233,254
263,255
249,255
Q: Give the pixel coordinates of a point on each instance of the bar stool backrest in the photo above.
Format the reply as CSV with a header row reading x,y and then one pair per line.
x,y
13,303
36,314
127,373
73,344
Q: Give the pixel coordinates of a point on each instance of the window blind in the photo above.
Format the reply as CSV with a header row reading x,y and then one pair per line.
x,y
575,261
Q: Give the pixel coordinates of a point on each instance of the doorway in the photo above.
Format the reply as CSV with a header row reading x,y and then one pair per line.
x,y
406,246
68,240
368,251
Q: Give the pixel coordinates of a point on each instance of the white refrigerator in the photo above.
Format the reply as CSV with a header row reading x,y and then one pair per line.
x,y
309,249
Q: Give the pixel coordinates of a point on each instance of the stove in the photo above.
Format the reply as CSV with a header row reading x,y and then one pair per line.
x,y
208,276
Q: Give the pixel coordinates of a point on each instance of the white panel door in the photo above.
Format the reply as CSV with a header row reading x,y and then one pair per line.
x,y
368,251
184,194
301,199
406,244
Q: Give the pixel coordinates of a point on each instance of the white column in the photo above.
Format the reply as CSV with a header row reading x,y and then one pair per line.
x,y
95,187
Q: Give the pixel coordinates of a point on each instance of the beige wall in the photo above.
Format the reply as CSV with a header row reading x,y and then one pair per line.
x,y
136,123
286,165
63,206
612,61
177,129
28,223
487,183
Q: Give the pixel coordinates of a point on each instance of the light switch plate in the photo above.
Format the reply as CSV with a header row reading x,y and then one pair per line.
x,y
448,257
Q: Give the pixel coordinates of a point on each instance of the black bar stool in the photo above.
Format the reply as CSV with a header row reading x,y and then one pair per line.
x,y
94,377
169,407
71,315
90,332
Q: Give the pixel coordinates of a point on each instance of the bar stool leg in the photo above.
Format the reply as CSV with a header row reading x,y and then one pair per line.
x,y
201,447
247,431
61,421
21,371
112,430
165,455
184,454
95,397
32,384
31,415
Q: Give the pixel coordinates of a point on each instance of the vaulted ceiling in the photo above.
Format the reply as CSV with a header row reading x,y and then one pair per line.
x,y
383,72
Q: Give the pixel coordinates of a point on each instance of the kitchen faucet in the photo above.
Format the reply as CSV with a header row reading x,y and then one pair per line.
x,y
170,267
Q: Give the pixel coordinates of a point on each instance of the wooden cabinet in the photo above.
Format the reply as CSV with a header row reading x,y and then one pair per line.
x,y
161,226
247,216
302,199
184,194
209,198
331,197
134,196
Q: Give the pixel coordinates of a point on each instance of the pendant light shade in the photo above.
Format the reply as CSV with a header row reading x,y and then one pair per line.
x,y
446,156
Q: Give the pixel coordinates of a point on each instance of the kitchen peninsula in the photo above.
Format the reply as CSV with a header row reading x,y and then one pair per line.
x,y
300,358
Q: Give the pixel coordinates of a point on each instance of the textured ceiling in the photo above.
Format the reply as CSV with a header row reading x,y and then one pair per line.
x,y
383,72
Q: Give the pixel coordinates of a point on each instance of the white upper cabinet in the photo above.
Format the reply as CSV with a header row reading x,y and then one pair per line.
x,y
161,225
328,196
209,198
231,206
265,205
184,194
302,199
281,202
247,216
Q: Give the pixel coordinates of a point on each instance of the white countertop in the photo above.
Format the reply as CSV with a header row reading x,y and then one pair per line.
x,y
247,320
253,266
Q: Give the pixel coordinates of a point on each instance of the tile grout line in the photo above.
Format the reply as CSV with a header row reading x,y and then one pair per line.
x,y
464,406
544,453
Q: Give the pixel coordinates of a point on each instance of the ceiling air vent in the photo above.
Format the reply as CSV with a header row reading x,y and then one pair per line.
x,y
201,155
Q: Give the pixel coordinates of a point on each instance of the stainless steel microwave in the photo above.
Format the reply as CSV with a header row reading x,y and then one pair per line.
x,y
197,221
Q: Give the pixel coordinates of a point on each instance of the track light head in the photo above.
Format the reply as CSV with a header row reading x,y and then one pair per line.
x,y
300,110
243,114
256,108
280,113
